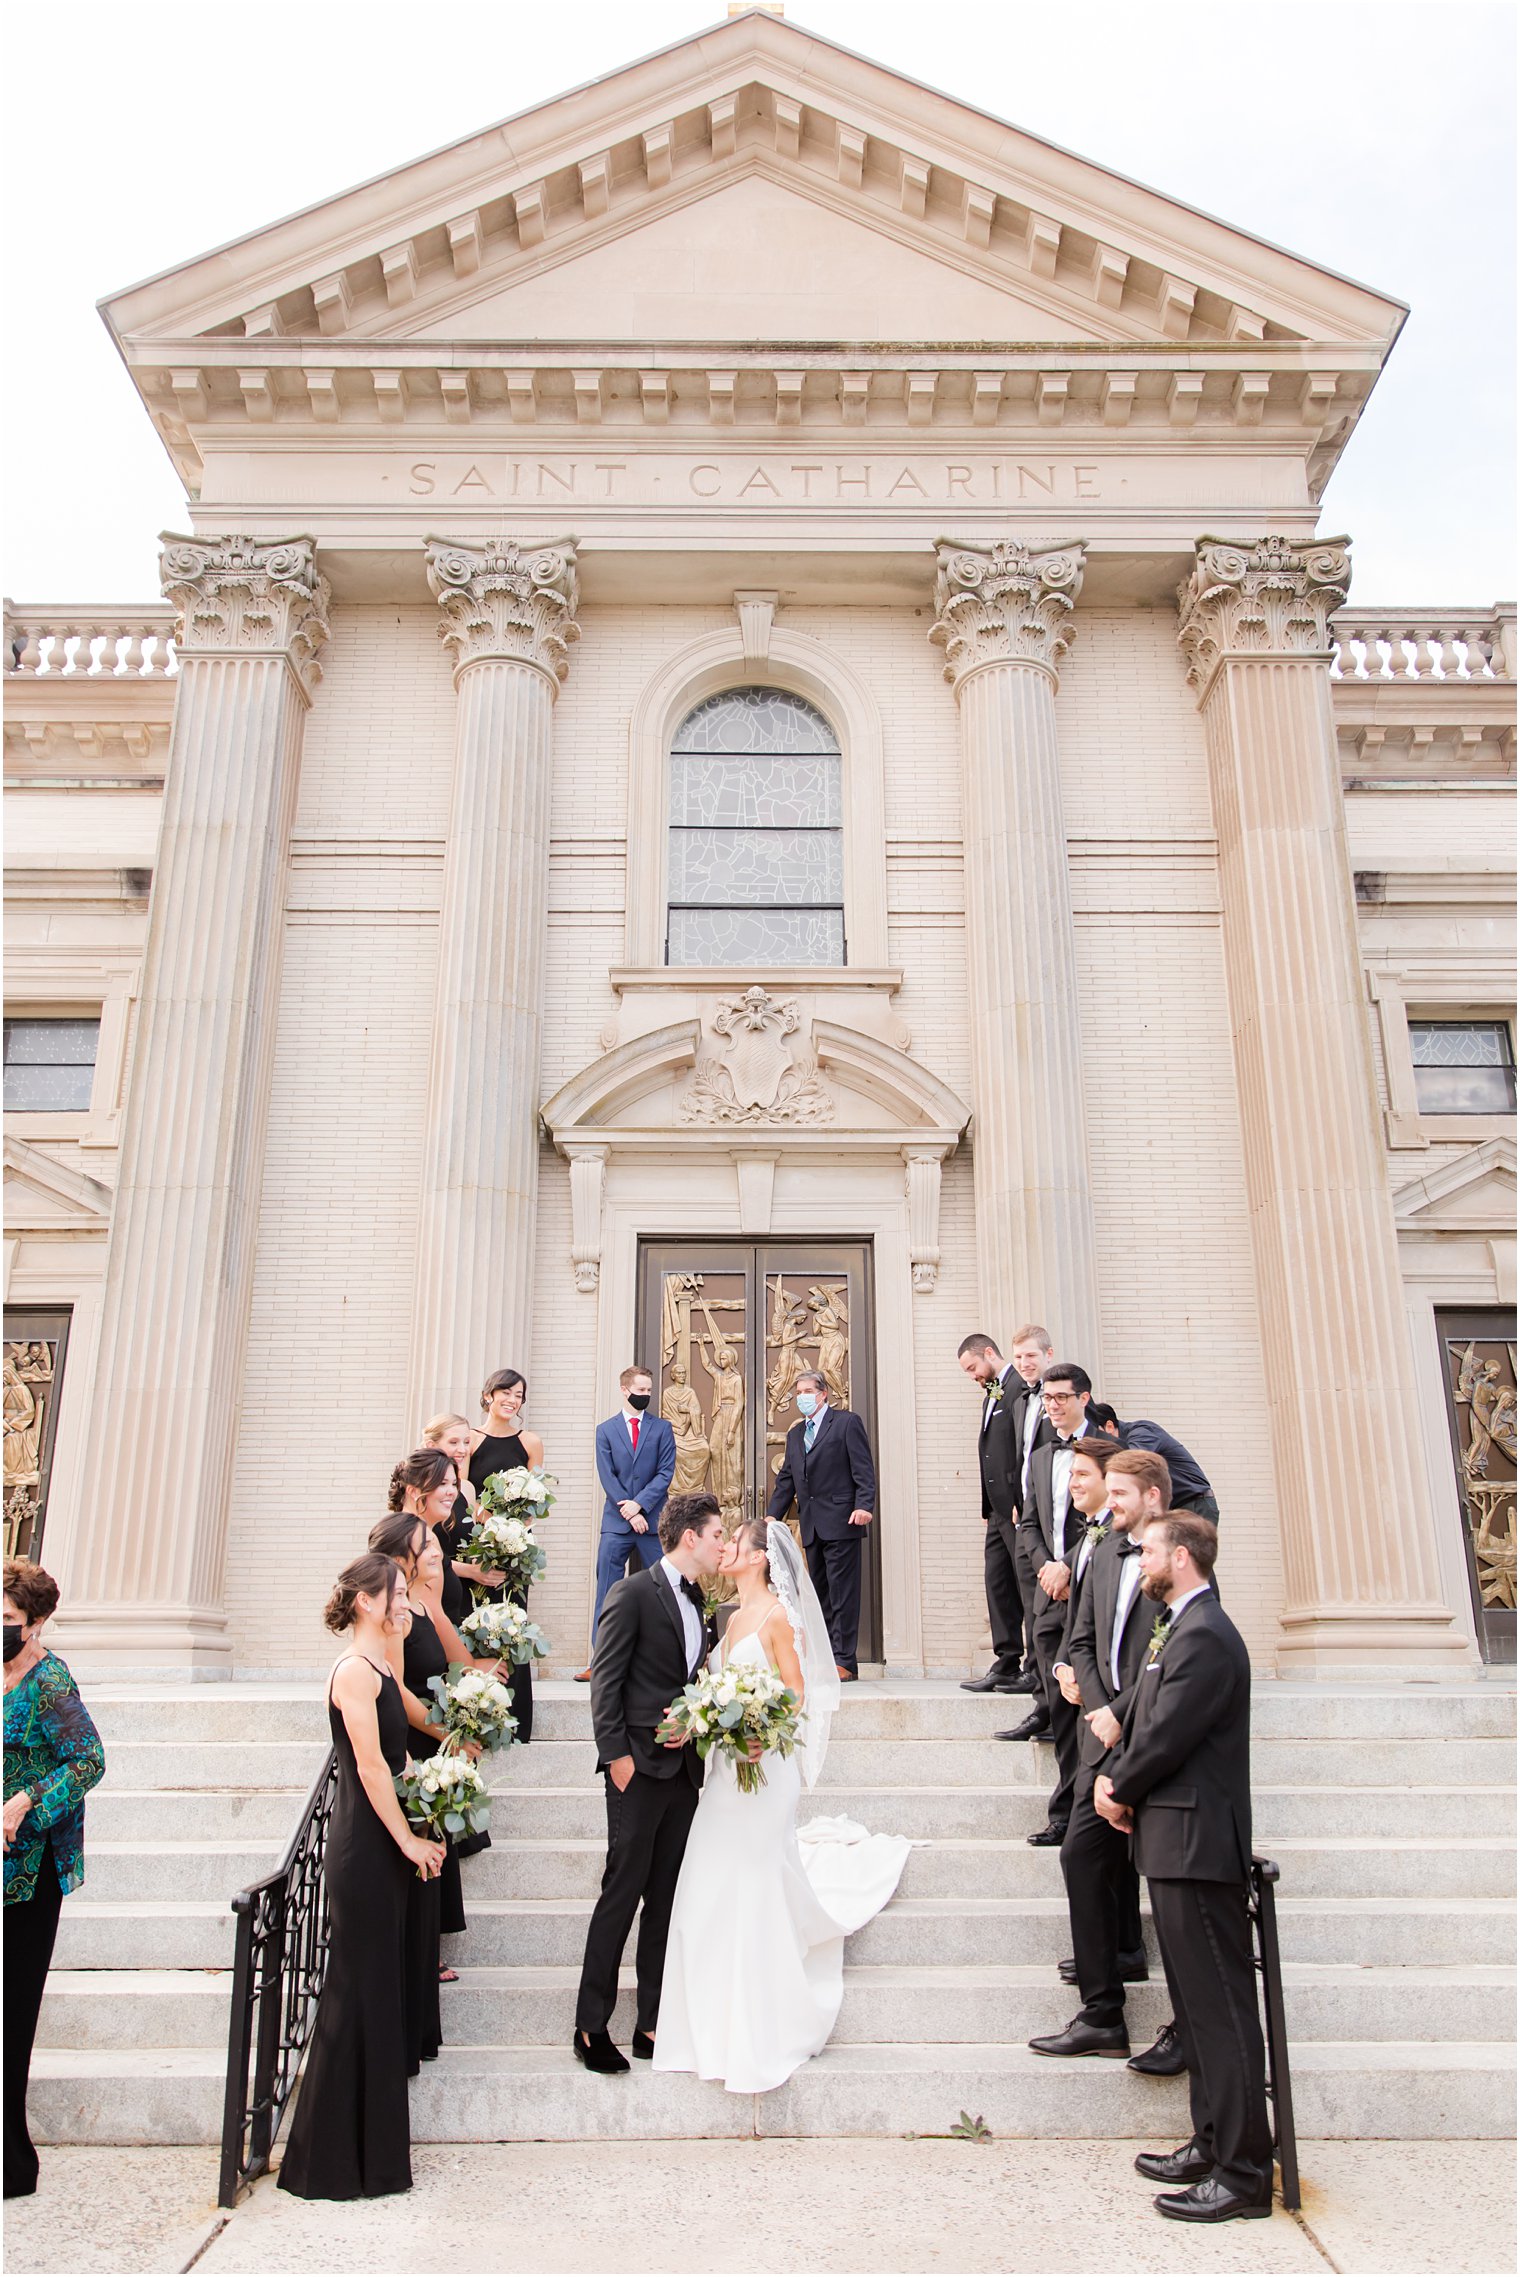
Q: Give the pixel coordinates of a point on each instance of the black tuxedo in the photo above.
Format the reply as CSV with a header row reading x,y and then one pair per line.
x,y
1184,1767
1037,1545
999,1456
827,1481
1102,1887
639,1667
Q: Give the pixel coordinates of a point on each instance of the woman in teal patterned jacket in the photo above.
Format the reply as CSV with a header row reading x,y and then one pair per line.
x,y
53,1757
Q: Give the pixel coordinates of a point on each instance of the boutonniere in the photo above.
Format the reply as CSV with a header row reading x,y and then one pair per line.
x,y
1096,1530
994,1390
1161,1629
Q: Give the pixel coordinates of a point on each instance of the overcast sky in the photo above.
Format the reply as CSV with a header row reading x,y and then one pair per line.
x,y
1376,139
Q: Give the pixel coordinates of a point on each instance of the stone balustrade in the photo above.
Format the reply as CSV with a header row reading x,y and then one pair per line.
x,y
1424,644
98,644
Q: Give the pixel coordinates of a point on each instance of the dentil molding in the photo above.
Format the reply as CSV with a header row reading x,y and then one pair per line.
x,y
501,603
1273,598
1004,603
238,595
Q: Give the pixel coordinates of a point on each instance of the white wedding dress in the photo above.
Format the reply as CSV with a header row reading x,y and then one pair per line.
x,y
754,1969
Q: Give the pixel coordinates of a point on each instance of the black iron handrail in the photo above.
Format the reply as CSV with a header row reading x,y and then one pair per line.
x,y
1263,1911
278,1970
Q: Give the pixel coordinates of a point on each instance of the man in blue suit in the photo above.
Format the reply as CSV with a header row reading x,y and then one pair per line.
x,y
635,1461
828,1472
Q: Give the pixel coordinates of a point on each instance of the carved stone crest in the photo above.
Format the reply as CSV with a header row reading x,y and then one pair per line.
x,y
757,1079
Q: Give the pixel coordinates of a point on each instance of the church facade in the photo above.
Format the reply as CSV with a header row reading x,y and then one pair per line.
x,y
754,757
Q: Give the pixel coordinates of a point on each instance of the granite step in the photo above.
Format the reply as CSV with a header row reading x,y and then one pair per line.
x,y
1394,2090
1388,1932
929,2003
578,1813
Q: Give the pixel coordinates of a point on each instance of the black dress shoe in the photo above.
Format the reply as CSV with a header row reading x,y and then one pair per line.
x,y
596,2051
1213,2202
1190,2164
993,1681
1081,2039
1134,1968
1028,1680
1030,1728
1049,1837
1164,2058
643,2046
1067,1971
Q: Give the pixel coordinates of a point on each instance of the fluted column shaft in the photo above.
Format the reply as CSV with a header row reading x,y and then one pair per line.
x,y
508,619
1003,621
1359,1546
146,1551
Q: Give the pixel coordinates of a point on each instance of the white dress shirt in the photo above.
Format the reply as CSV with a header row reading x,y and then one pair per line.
x,y
1130,1578
1033,1410
1179,1602
1060,1491
691,1619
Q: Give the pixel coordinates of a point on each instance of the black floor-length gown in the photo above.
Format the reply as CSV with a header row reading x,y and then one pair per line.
x,y
351,2135
452,1536
423,1656
491,1456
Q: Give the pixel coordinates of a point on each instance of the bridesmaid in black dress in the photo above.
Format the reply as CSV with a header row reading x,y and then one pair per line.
x,y
456,1436
351,2136
503,1446
430,1646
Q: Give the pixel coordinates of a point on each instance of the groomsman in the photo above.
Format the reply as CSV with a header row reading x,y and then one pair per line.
x,y
1107,1642
1048,1536
635,1462
828,1472
1190,1489
1180,1783
999,1456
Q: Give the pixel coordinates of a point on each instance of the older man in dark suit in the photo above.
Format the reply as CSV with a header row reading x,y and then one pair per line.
x,y
828,1472
1181,1784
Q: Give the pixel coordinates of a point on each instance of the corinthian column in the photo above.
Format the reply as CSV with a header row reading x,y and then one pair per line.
x,y
144,1569
1359,1545
508,618
1004,623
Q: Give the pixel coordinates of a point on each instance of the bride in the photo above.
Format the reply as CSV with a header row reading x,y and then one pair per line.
x,y
754,1968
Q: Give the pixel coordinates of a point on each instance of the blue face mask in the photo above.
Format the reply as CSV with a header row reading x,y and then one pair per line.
x,y
807,1401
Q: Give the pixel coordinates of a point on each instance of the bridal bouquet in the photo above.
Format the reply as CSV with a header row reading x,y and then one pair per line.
x,y
444,1795
728,1709
504,1632
469,1705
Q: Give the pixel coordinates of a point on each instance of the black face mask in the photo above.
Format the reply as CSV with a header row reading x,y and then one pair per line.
x,y
638,1400
15,1638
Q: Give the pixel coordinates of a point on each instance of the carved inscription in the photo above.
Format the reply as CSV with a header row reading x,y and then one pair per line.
x,y
556,479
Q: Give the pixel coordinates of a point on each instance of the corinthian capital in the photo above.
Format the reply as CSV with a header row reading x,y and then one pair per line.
x,y
243,595
1004,603
501,601
1272,598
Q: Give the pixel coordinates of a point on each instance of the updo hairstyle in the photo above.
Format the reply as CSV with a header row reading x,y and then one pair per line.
x,y
396,1536
754,1533
425,1470
369,1576
504,1379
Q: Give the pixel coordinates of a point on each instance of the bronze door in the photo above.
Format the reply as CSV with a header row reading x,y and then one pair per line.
x,y
725,1327
35,1344
1478,1369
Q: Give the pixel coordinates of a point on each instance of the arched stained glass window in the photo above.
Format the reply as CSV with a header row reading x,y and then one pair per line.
x,y
756,834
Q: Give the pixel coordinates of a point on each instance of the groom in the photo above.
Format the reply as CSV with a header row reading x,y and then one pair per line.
x,y
652,1637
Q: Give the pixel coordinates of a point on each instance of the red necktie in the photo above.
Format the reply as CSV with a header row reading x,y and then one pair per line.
x,y
633,1425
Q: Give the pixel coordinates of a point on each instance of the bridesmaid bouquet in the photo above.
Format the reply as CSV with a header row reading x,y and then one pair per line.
x,y
504,1632
445,1795
510,1545
523,1492
472,1706
729,1709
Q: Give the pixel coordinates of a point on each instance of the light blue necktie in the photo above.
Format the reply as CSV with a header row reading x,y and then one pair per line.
x,y
810,1433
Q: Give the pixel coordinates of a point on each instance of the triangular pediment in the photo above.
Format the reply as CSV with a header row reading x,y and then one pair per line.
x,y
1471,1192
42,1196
758,257
721,152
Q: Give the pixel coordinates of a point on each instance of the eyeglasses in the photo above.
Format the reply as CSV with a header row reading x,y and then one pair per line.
x,y
1060,1398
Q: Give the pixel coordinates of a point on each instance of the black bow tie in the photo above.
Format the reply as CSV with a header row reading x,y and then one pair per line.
x,y
690,1589
1129,1549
